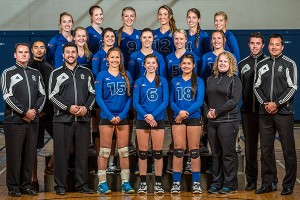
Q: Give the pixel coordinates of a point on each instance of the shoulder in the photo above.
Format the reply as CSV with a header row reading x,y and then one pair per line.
x,y
203,33
287,59
9,69
244,60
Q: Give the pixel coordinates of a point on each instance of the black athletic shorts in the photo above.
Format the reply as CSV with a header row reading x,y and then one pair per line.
x,y
107,122
142,124
189,122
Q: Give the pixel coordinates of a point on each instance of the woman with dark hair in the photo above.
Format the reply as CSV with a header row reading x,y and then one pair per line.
x,y
186,98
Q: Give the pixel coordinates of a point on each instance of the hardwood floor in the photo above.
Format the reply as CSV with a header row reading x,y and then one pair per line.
x,y
183,195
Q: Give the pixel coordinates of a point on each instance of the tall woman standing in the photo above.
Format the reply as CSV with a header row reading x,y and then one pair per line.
x,y
113,88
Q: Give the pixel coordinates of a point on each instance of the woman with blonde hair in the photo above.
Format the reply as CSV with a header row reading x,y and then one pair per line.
x,y
223,91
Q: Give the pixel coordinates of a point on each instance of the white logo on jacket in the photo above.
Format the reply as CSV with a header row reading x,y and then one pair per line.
x,y
280,68
82,76
33,77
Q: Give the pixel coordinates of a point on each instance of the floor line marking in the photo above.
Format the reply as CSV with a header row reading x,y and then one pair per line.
x,y
3,170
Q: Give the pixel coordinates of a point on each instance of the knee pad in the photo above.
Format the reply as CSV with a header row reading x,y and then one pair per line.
x,y
194,153
143,155
123,152
104,152
157,154
179,153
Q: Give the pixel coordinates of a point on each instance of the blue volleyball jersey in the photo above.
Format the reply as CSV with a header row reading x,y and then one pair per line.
x,y
99,62
232,46
147,99
203,43
84,61
129,44
54,55
208,61
163,43
111,95
136,65
181,97
95,42
173,65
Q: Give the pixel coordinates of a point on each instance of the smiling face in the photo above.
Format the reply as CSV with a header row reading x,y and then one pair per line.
x,y
220,23
38,50
275,46
163,16
109,38
179,40
114,59
223,64
255,45
22,55
66,23
97,16
187,65
150,64
147,39
217,40
70,55
80,37
192,19
128,17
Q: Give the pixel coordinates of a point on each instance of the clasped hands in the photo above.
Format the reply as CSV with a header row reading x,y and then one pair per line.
x,y
150,120
182,115
211,114
78,110
271,107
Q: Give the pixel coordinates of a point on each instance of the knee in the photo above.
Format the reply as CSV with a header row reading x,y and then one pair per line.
x,y
194,153
104,152
178,153
123,152
157,154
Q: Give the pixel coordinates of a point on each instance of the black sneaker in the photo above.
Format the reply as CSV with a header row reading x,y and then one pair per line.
x,y
60,190
203,149
212,190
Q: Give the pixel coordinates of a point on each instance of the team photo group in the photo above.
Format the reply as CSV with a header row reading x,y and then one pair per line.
x,y
91,87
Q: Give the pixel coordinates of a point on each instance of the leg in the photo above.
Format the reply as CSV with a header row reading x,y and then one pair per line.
x,y
193,135
285,126
250,130
157,136
227,134
179,138
106,132
143,139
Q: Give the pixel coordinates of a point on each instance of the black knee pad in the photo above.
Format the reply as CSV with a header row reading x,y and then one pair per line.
x,y
157,154
194,153
143,155
179,153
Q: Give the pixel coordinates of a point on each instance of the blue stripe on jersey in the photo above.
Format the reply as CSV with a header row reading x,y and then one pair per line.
x,y
129,44
147,99
136,66
111,95
181,97
95,42
163,43
54,55
203,43
173,67
99,62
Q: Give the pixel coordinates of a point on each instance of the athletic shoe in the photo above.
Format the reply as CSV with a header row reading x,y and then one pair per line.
x,y
238,148
175,188
126,188
227,191
212,190
188,167
132,148
158,188
103,188
143,188
203,149
196,188
112,169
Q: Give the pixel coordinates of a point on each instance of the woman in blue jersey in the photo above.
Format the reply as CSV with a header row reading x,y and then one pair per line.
x,y
198,41
84,54
186,98
231,45
163,36
218,41
128,38
223,91
99,62
113,96
95,30
54,54
136,60
150,99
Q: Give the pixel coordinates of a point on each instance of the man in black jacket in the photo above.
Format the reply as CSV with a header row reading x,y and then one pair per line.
x,y
71,90
249,110
38,62
275,86
24,96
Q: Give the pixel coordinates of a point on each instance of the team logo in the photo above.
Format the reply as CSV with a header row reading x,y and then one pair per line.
x,y
107,79
170,61
144,85
33,77
280,68
210,58
137,37
18,77
170,35
139,59
245,69
82,76
177,83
